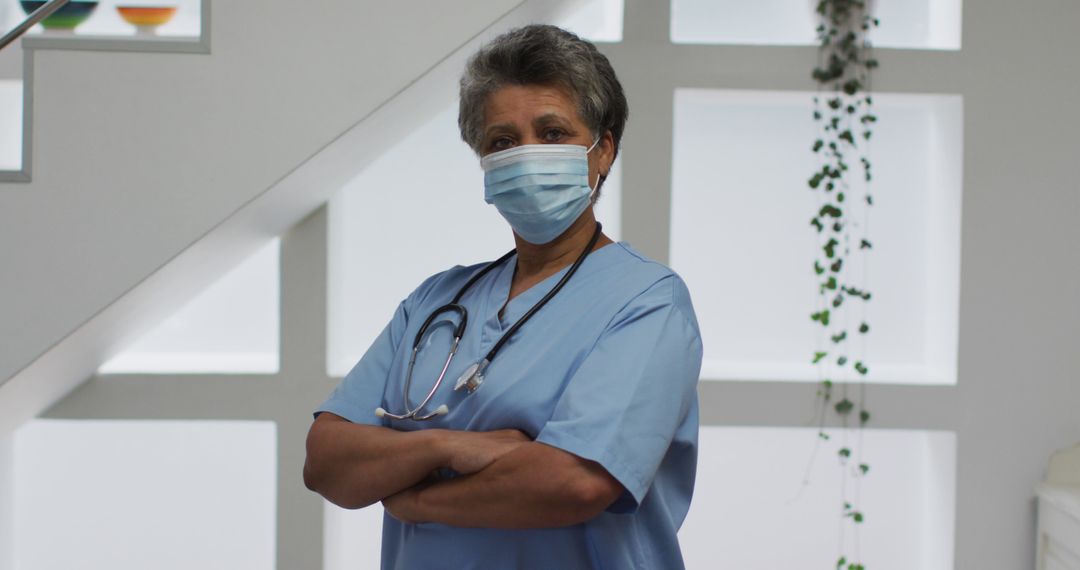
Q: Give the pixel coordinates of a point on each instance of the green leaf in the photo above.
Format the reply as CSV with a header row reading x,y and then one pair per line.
x,y
844,452
861,368
841,361
837,301
818,356
858,517
864,245
844,407
822,317
839,197
864,328
864,468
847,136
830,210
830,248
818,268
838,338
817,224
864,416
817,145
824,436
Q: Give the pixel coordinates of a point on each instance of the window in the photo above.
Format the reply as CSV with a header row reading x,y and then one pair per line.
x,y
747,500
353,538
741,237
915,24
230,327
171,494
596,20
11,116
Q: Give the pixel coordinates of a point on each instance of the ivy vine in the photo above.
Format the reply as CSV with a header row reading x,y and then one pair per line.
x,y
843,112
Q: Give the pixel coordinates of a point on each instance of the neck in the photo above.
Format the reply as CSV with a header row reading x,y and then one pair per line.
x,y
545,259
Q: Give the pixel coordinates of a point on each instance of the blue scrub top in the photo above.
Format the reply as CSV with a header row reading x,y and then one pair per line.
x,y
607,371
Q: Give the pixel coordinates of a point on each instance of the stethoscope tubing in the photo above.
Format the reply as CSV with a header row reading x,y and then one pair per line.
x,y
459,333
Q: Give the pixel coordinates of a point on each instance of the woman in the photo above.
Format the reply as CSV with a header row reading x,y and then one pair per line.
x,y
571,441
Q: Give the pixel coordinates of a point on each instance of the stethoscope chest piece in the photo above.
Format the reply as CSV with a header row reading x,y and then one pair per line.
x,y
472,378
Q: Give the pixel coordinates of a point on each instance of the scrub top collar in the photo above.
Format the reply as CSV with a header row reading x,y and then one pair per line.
x,y
517,306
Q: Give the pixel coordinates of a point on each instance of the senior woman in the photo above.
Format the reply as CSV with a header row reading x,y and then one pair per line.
x,y
561,430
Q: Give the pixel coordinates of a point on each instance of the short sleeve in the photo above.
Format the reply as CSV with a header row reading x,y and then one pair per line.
x,y
634,391
361,391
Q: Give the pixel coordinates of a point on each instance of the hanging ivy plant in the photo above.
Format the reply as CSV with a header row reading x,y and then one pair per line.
x,y
843,111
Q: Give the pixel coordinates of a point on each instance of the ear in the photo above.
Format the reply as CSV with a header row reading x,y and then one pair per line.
x,y
607,153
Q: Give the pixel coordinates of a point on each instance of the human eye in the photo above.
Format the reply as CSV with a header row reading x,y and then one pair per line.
x,y
500,143
554,135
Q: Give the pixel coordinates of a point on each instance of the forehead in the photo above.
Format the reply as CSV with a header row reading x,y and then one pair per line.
x,y
523,104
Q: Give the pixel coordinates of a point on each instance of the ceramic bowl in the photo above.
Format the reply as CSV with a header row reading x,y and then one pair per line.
x,y
146,18
66,18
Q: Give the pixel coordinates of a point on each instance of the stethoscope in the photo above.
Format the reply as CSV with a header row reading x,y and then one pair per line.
x,y
473,376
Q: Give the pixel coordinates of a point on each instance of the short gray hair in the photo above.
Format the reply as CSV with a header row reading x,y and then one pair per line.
x,y
543,55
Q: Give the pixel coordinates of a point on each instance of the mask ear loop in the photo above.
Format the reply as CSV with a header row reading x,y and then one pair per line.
x,y
592,190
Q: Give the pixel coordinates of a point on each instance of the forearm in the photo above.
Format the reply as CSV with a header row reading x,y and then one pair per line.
x,y
534,486
356,465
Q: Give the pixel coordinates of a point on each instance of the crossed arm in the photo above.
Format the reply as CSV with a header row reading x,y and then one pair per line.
x,y
507,481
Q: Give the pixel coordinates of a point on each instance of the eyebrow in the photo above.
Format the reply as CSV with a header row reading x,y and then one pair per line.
x,y
549,118
500,127
542,120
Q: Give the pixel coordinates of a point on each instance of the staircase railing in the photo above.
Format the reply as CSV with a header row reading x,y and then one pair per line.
x,y
36,16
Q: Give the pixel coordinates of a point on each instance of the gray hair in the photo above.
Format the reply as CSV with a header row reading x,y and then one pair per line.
x,y
543,55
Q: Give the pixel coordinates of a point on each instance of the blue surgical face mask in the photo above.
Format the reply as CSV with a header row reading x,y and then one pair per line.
x,y
539,188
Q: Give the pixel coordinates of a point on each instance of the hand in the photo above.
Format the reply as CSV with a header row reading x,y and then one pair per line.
x,y
472,451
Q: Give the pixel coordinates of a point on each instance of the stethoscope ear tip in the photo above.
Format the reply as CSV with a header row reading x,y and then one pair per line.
x,y
380,412
442,410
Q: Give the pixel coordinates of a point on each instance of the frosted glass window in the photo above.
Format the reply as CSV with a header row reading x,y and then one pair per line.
x,y
740,233
750,511
352,539
11,113
915,24
596,20
231,326
106,20
145,494
415,211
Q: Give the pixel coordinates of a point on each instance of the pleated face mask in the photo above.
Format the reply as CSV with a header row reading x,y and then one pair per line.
x,y
540,189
